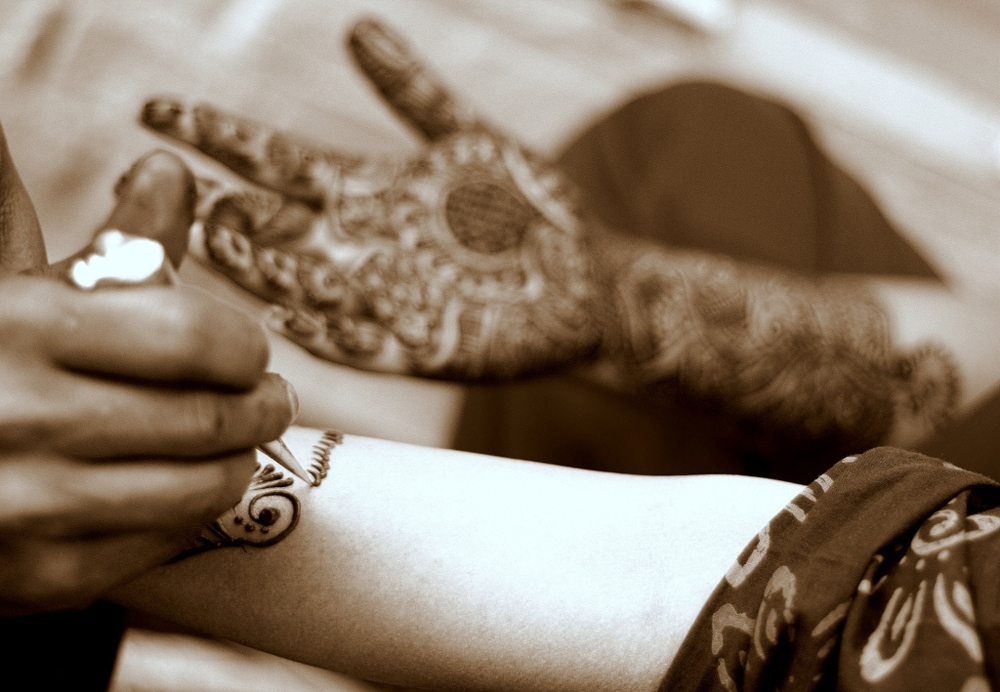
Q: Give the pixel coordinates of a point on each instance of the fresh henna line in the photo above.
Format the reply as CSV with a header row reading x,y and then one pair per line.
x,y
270,508
321,455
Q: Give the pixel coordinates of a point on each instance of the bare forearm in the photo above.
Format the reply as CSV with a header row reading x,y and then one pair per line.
x,y
448,570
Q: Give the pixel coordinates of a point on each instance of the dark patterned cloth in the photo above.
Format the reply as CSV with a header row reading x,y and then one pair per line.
x,y
883,575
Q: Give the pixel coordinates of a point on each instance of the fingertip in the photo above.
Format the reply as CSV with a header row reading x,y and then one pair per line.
x,y
156,199
231,478
363,29
293,399
162,113
240,470
280,406
377,48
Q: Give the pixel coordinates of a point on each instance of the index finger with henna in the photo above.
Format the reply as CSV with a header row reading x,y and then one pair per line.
x,y
260,153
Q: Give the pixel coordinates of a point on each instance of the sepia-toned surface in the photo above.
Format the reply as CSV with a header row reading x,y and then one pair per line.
x,y
903,92
901,98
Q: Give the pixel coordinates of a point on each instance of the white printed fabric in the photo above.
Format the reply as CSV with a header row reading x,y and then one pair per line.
x,y
882,575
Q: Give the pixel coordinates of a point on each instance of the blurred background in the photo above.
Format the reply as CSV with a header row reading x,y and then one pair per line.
x,y
903,95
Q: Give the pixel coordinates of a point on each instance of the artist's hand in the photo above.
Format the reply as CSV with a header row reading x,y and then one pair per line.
x,y
127,417
468,261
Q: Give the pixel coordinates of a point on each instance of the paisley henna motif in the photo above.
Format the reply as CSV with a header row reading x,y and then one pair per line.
x,y
270,508
470,263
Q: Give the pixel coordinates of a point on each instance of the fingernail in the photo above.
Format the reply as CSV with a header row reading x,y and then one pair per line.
x,y
161,113
293,398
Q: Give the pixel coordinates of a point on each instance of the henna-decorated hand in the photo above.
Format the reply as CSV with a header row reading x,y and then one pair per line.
x,y
127,418
468,261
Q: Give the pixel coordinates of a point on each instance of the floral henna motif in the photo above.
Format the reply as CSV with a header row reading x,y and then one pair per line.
x,y
813,359
470,265
270,508
466,262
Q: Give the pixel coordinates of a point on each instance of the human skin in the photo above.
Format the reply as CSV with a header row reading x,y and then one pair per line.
x,y
446,570
475,261
126,417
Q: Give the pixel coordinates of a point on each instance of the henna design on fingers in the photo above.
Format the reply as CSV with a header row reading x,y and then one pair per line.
x,y
472,264
270,507
303,171
405,83
469,261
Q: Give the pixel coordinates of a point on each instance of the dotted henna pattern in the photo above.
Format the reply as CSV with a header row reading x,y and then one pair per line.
x,y
270,508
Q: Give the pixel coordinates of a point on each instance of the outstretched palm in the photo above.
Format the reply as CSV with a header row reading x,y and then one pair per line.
x,y
468,261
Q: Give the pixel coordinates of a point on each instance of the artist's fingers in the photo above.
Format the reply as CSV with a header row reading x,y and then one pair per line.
x,y
21,243
41,576
258,152
100,419
150,333
54,497
416,94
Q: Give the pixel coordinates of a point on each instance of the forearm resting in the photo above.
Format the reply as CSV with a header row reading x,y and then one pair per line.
x,y
448,570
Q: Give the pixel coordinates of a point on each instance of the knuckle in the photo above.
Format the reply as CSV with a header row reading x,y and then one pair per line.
x,y
208,418
29,409
32,502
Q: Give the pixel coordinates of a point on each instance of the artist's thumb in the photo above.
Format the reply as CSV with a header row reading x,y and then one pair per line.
x,y
155,199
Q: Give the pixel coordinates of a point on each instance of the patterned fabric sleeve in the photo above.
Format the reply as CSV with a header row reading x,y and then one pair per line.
x,y
881,575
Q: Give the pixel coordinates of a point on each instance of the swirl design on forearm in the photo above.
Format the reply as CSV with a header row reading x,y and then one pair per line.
x,y
270,508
